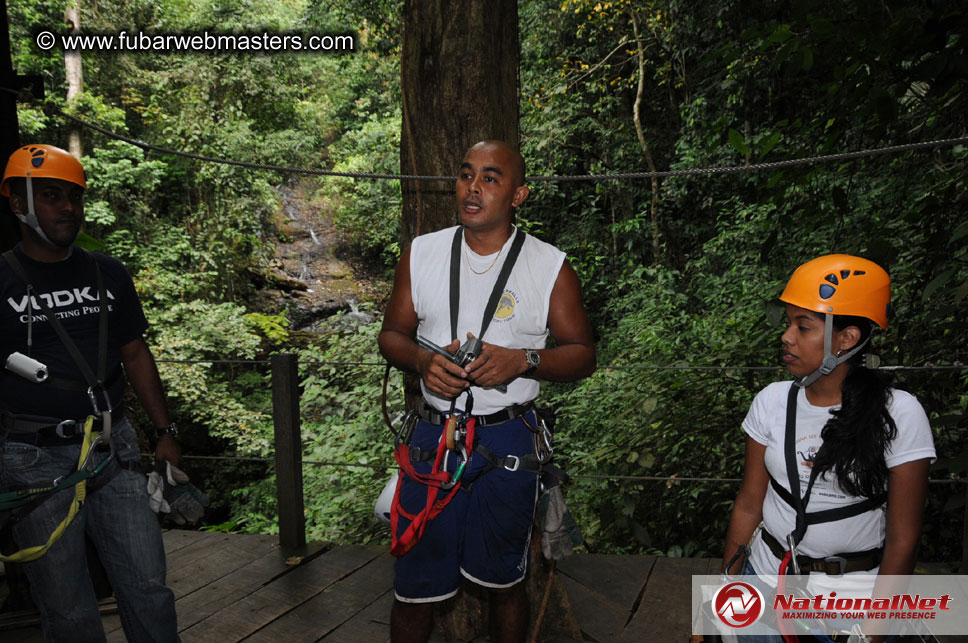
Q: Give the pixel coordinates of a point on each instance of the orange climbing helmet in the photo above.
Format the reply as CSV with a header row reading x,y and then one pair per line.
x,y
42,162
841,285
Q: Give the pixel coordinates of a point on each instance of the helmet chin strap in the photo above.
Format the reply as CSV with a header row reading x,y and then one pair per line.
x,y
830,361
30,219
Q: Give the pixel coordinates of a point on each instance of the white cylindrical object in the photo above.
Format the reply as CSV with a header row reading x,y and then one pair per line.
x,y
26,367
383,503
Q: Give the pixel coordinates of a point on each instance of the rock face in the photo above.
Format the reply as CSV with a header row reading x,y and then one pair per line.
x,y
306,278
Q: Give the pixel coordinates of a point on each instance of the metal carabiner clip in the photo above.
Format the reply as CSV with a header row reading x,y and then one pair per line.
x,y
405,434
90,453
459,473
792,544
93,399
546,451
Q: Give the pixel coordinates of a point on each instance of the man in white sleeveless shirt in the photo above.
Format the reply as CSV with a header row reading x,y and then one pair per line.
x,y
483,531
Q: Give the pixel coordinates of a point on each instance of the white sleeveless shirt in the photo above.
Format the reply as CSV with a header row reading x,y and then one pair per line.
x,y
521,318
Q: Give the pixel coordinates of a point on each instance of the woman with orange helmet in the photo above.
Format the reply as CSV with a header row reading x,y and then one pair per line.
x,y
837,461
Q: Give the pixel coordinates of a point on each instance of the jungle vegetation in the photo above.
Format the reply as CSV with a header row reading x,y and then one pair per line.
x,y
681,271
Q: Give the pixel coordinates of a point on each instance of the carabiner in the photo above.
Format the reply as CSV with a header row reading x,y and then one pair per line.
x,y
545,450
459,473
792,544
405,434
93,399
90,453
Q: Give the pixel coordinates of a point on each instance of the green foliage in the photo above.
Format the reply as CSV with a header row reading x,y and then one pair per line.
x,y
727,87
120,180
368,211
341,423
212,396
275,328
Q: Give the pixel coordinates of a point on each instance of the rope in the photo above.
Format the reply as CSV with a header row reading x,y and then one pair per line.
x,y
613,367
709,171
578,476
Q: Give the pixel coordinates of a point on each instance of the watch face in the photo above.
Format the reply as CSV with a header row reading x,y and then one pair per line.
x,y
533,358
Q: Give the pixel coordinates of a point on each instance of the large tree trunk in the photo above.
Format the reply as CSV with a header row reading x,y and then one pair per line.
x,y
9,133
459,79
459,85
74,74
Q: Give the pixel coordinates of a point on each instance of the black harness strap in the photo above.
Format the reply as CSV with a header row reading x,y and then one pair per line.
x,y
790,454
82,365
830,515
496,292
793,498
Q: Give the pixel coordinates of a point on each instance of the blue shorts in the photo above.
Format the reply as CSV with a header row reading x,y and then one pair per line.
x,y
484,532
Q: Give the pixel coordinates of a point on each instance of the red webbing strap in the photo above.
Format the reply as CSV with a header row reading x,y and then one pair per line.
x,y
418,522
788,636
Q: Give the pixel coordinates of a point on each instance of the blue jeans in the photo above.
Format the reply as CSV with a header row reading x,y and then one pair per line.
x,y
119,522
778,638
759,638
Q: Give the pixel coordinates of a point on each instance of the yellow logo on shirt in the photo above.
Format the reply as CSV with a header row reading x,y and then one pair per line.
x,y
505,307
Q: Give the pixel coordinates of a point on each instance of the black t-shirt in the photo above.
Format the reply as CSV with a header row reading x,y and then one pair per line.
x,y
69,288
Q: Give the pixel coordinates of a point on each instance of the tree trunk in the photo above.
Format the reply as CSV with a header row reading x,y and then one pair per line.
x,y
459,81
9,133
75,75
459,85
640,132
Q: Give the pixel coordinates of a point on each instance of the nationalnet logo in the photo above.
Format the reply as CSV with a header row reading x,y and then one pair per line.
x,y
926,605
738,604
895,607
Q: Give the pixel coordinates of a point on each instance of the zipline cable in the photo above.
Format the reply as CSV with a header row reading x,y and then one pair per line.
x,y
708,171
576,476
615,367
733,169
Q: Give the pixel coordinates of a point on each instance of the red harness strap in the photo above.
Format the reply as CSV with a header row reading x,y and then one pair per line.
x,y
435,481
785,630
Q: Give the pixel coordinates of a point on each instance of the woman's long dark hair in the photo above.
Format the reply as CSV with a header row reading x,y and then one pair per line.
x,y
857,436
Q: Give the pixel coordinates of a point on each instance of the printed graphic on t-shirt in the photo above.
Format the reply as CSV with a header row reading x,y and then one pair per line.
x,y
75,302
808,452
807,447
505,306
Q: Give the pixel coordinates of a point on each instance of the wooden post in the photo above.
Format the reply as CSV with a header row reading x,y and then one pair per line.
x,y
964,538
289,483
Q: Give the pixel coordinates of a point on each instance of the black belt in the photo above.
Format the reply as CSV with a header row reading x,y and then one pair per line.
x,y
861,561
513,412
45,432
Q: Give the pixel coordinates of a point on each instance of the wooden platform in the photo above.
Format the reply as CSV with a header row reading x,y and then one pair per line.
x,y
241,588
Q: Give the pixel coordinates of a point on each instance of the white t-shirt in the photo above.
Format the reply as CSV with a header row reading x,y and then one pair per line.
x,y
766,423
521,318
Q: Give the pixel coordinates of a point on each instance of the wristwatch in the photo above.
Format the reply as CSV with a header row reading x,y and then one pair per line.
x,y
171,430
533,359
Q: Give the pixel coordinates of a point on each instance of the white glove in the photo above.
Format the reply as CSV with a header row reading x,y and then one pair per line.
x,y
156,490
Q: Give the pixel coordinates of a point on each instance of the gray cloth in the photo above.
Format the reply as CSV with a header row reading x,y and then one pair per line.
x,y
559,531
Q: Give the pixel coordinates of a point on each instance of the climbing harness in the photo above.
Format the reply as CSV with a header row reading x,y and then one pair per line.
x,y
15,505
457,438
798,564
791,562
438,480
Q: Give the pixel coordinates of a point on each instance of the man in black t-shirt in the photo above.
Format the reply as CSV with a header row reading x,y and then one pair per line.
x,y
40,421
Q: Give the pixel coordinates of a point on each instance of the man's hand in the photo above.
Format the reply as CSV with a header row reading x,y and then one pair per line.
x,y
441,375
496,365
168,450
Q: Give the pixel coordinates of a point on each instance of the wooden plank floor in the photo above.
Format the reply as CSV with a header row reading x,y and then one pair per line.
x,y
241,588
